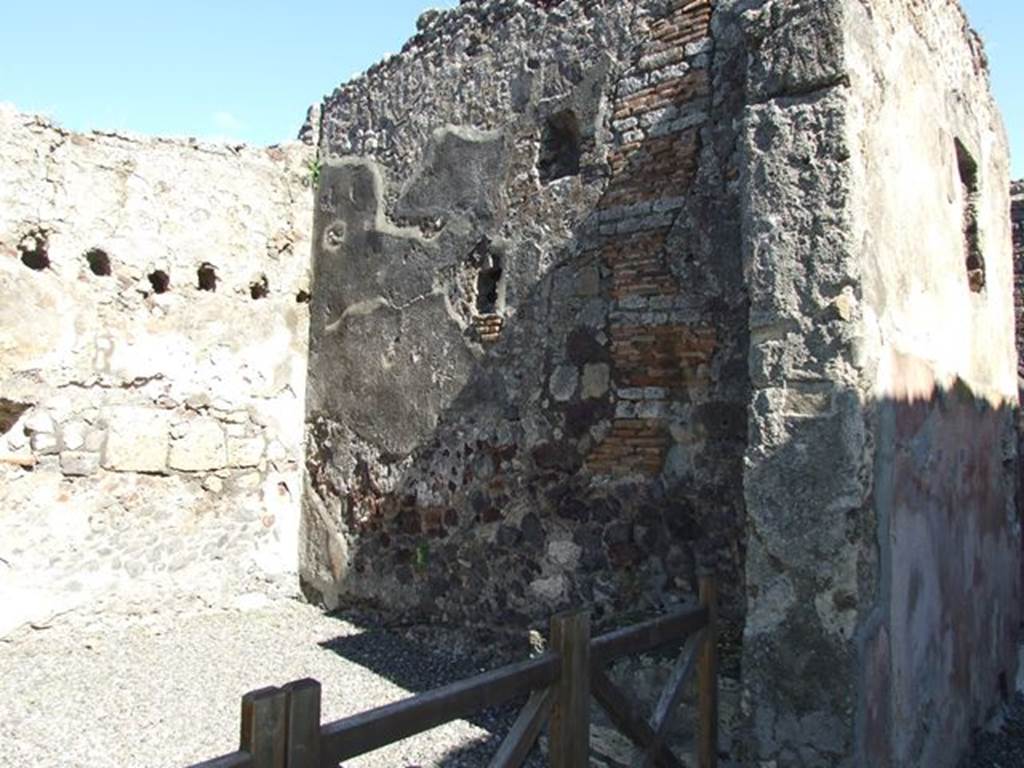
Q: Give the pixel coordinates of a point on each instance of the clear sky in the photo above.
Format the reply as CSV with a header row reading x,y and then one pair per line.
x,y
1001,24
235,69
247,69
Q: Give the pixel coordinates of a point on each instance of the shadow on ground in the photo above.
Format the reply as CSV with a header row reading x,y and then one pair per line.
x,y
419,658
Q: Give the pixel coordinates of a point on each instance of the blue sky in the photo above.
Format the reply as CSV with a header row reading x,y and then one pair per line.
x,y
247,69
1001,24
238,69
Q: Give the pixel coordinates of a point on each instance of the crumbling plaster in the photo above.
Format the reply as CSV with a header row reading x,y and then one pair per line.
x,y
941,363
883,545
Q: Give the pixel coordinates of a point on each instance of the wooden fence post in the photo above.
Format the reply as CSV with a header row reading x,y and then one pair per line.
x,y
264,727
303,724
707,680
569,733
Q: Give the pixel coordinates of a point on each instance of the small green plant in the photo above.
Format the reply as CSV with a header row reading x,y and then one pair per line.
x,y
422,555
313,166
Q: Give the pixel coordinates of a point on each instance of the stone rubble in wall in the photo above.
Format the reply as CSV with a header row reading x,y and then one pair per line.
x,y
158,433
409,529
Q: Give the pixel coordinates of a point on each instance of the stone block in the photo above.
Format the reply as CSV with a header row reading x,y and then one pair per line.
x,y
588,282
249,481
79,463
40,421
563,383
213,484
16,439
73,435
137,439
276,451
564,554
200,447
94,440
44,443
245,451
596,377
551,589
50,463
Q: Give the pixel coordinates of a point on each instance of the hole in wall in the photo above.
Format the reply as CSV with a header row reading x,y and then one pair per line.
x,y
488,280
302,297
206,277
259,288
485,260
34,250
99,262
967,168
160,281
561,147
10,412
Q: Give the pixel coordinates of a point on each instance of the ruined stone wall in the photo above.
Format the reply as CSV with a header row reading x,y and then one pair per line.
x,y
940,646
152,367
883,551
610,293
804,481
527,371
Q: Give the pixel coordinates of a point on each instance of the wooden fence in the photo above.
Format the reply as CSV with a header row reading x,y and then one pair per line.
x,y
281,726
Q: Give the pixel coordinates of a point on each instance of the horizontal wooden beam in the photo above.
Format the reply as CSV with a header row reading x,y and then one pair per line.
x,y
647,636
376,728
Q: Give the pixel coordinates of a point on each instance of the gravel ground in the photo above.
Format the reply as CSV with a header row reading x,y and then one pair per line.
x,y
164,690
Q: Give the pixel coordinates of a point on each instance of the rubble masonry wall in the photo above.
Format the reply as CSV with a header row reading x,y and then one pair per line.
x,y
528,358
152,368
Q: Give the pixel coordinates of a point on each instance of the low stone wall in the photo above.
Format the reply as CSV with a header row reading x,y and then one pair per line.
x,y
152,367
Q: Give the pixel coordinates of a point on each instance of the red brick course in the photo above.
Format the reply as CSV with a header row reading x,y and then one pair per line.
x,y
653,166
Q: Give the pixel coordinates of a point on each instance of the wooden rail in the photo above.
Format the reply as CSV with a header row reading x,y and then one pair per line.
x,y
280,727
365,732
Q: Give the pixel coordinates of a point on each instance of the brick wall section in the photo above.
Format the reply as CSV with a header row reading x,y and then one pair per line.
x,y
656,359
